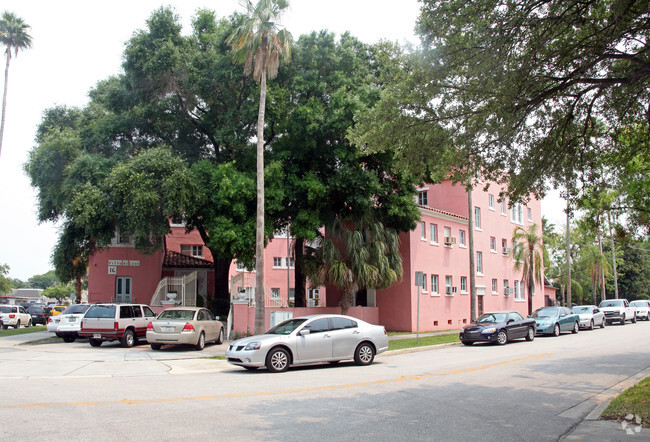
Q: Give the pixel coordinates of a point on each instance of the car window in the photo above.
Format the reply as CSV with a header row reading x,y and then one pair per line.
x,y
342,323
76,309
101,311
612,303
318,325
491,318
148,311
201,316
209,316
516,316
21,310
286,327
547,312
5,309
126,311
137,311
184,315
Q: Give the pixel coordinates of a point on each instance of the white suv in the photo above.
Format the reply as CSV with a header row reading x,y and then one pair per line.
x,y
111,322
14,316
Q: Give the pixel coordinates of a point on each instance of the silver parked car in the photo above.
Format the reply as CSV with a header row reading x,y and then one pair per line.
x,y
308,340
590,316
185,325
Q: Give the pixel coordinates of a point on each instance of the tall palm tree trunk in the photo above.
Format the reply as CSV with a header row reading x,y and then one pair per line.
x,y
4,100
603,293
611,235
259,234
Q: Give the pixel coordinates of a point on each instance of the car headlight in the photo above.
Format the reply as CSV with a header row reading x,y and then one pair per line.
x,y
252,346
489,330
545,323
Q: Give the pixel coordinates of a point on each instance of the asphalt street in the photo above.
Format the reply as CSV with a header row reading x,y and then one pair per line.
x,y
548,389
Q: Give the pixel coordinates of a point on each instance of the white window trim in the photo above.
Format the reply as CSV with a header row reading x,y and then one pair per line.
x,y
491,207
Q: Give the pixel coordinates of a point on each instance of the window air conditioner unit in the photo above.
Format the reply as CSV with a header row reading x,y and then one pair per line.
x,y
450,290
508,291
506,251
449,240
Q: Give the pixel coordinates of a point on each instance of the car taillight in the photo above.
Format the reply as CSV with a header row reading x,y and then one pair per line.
x,y
385,332
188,327
150,326
49,319
116,325
12,316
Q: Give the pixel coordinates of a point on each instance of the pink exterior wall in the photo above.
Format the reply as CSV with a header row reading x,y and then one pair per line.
x,y
144,271
244,316
440,311
179,237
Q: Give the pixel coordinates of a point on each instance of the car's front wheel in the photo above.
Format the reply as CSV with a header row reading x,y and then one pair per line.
x,y
556,330
591,325
29,323
603,324
364,354
128,340
277,360
576,328
502,337
467,342
17,326
531,334
200,344
634,319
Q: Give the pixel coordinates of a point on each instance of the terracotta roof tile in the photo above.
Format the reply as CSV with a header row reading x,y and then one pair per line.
x,y
175,259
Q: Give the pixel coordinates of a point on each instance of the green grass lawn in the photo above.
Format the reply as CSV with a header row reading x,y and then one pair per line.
x,y
22,331
398,344
635,402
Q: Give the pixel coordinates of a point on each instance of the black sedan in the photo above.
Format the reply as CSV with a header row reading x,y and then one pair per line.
x,y
498,327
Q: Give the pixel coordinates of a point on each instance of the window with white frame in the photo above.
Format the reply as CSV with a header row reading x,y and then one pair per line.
x,y
495,288
491,201
277,262
424,283
189,250
449,282
423,230
517,213
275,293
479,263
434,284
529,213
477,217
493,244
423,198
461,238
502,207
434,233
290,260
519,294
463,284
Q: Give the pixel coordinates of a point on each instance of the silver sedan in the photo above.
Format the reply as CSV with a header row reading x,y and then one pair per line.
x,y
590,316
309,340
185,325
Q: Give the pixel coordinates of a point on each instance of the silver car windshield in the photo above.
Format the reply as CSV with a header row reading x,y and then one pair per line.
x,y
286,327
614,303
546,313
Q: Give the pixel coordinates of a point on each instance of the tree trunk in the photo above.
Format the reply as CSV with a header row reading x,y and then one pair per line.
x,y
77,289
568,252
300,296
259,235
611,235
346,299
603,293
4,98
531,284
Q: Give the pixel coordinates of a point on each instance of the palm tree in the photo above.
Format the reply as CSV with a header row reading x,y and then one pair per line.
x,y
354,257
597,265
259,43
14,36
528,254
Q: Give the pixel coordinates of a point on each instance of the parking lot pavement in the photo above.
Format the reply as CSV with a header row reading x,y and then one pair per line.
x,y
33,355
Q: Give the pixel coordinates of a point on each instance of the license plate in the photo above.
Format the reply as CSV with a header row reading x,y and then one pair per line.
x,y
73,319
97,335
167,329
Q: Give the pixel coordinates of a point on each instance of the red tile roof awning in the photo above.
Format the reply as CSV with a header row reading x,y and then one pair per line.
x,y
178,260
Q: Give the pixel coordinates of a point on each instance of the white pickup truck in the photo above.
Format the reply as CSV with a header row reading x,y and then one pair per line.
x,y
618,310
111,322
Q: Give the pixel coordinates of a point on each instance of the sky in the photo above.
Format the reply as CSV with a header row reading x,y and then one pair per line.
x,y
75,44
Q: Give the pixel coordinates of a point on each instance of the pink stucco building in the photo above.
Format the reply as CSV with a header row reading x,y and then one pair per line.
x,y
438,247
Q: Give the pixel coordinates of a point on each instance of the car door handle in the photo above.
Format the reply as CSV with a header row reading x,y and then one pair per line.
x,y
327,335
356,332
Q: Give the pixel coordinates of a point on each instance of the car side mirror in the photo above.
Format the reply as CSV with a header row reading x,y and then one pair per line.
x,y
304,332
